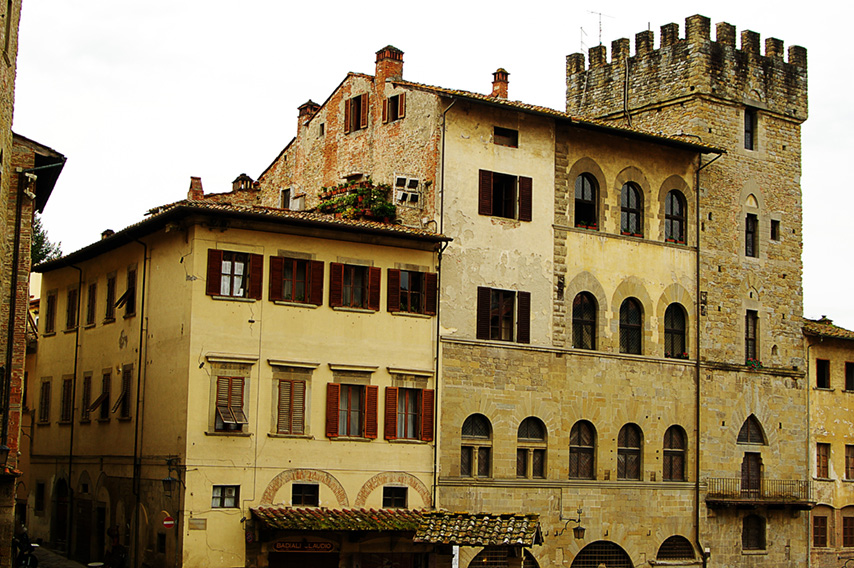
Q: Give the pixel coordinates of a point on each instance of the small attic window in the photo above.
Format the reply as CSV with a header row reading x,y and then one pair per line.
x,y
506,137
321,129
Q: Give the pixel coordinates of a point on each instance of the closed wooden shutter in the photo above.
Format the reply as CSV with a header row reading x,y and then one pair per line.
x,y
316,283
347,104
523,318
363,122
401,105
385,111
431,293
391,413
374,278
483,297
526,194
283,423
277,269
333,392
393,299
427,417
256,276
371,403
297,407
484,192
214,277
336,284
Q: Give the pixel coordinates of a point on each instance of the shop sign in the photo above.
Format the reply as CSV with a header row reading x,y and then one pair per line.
x,y
303,546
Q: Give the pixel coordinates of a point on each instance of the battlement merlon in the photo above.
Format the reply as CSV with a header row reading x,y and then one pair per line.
x,y
695,65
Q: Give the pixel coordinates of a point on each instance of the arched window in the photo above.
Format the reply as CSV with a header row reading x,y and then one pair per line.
x,y
674,217
753,533
586,191
584,321
531,449
602,553
751,432
676,548
631,319
475,457
582,451
629,452
674,332
631,211
674,454
496,557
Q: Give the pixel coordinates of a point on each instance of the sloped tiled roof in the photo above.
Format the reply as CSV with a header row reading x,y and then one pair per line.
x,y
436,527
824,328
479,529
287,518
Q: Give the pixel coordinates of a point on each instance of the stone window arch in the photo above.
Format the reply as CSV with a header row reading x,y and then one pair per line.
x,y
582,451
752,432
631,210
584,309
676,548
631,326
476,447
531,449
629,444
675,448
586,202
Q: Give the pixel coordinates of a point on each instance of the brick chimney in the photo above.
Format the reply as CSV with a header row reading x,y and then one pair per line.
x,y
499,83
196,192
306,111
389,64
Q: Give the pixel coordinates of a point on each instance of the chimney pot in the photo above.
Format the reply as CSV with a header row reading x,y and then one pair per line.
x,y
196,192
107,233
500,83
389,65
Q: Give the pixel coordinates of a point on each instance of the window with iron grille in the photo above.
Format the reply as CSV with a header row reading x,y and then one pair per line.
x,y
44,403
631,211
305,494
586,196
674,217
847,532
66,402
822,459
822,374
394,497
476,447
505,195
91,303
751,432
584,310
602,553
225,496
751,235
71,308
230,416
819,531
751,332
629,452
676,548
531,449
631,326
674,454
753,533
290,415
582,451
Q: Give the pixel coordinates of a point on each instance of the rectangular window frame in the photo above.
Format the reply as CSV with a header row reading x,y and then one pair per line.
x,y
44,402
849,376
91,304
751,235
234,275
822,460
395,497
819,531
369,401
110,310
848,532
356,113
305,495
66,403
230,399
508,137
354,286
513,325
71,307
296,280
751,335
225,497
849,462
505,195
411,291
50,312
409,414
751,122
822,373
291,406
86,399
775,229
394,108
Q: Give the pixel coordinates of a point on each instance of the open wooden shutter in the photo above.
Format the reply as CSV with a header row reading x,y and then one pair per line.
x,y
393,296
277,269
523,318
256,276
401,105
391,413
316,283
223,409
333,392
336,284
483,297
374,278
431,293
347,104
385,111
214,277
236,401
427,417
363,121
484,192
526,193
371,403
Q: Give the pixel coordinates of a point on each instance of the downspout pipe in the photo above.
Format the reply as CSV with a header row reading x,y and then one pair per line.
x,y
137,432
697,369
71,489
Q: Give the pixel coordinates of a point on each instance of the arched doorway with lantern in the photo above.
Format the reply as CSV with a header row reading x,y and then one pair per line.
x,y
602,553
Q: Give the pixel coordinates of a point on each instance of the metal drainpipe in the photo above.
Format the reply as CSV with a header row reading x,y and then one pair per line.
x,y
137,435
70,514
698,371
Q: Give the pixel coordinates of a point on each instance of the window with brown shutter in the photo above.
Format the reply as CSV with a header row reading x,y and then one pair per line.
x,y
71,309
356,113
352,286
50,312
408,414
291,410
363,104
230,416
629,452
91,302
390,424
371,404
86,398
110,311
819,531
822,460
427,414
504,195
503,315
394,108
296,280
66,402
333,393
44,403
412,292
234,274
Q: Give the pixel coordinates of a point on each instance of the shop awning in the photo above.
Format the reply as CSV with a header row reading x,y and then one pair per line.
x,y
436,527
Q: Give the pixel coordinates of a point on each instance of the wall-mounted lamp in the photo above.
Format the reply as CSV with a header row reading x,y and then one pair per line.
x,y
577,532
169,482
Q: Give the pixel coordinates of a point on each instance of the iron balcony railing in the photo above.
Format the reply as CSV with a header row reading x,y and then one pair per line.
x,y
770,491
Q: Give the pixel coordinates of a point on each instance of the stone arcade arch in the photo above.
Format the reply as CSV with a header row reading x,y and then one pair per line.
x,y
602,552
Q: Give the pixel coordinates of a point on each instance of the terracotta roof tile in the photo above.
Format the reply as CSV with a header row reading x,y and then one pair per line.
x,y
824,328
288,518
479,529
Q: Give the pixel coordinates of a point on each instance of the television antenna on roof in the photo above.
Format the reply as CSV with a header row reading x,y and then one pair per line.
x,y
600,14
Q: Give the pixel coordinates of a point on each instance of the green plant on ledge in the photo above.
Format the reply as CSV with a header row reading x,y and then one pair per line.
x,y
358,200
753,363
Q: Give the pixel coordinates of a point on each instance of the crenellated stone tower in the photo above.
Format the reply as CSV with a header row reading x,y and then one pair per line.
x,y
749,224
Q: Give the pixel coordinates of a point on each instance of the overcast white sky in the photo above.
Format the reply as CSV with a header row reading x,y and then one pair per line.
x,y
141,95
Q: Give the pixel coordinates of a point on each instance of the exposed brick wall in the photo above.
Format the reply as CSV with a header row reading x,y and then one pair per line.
x,y
316,475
